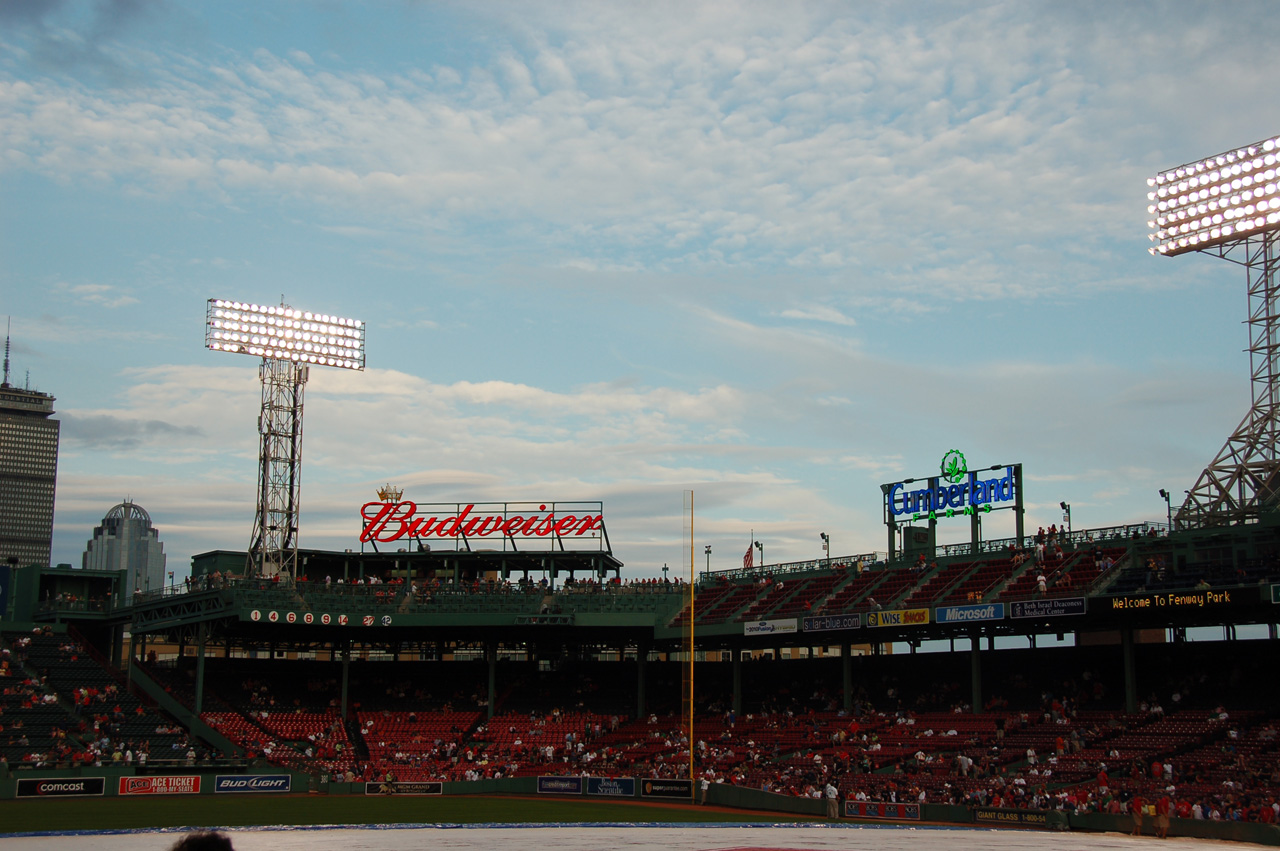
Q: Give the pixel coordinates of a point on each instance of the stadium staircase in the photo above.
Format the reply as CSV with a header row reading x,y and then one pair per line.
x,y
937,583
143,683
1022,584
858,588
355,735
728,606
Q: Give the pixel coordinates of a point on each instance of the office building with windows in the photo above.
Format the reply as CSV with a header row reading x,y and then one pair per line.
x,y
28,474
127,541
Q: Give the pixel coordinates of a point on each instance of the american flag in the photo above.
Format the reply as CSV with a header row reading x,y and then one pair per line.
x,y
748,560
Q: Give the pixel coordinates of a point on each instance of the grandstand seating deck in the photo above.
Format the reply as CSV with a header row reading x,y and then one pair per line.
x,y
774,593
569,710
981,583
807,597
704,599
69,708
858,586
936,586
728,605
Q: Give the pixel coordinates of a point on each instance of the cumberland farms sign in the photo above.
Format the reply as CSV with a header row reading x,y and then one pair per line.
x,y
389,521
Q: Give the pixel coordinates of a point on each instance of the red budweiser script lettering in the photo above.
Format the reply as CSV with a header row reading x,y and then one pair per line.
x,y
391,521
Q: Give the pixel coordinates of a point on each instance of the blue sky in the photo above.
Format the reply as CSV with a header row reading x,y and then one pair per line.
x,y
774,253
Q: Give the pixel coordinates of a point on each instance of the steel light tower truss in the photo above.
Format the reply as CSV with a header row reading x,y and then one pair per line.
x,y
289,342
1228,206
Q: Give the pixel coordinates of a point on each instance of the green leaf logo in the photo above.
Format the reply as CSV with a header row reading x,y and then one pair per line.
x,y
954,466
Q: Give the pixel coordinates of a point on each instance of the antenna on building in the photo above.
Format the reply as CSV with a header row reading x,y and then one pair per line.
x,y
8,325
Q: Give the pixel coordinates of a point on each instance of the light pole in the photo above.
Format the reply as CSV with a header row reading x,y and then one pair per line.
x,y
1168,506
664,573
760,547
707,550
288,343
826,547
1066,515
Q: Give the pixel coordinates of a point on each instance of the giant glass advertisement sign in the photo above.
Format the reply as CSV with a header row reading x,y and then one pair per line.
x,y
956,490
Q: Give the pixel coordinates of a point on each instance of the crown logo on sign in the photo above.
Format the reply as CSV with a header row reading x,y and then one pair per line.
x,y
389,493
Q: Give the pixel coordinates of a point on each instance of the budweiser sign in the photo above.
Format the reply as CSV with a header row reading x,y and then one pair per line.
x,y
392,521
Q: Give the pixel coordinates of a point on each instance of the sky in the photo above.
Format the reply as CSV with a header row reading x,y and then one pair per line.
x,y
777,254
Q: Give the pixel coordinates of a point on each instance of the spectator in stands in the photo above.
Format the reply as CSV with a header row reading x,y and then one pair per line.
x,y
1135,810
1162,817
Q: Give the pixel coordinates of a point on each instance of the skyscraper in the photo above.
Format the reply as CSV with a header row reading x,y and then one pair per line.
x,y
127,541
28,472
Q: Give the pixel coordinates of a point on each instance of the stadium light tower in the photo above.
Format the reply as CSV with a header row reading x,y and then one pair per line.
x,y
289,342
1228,205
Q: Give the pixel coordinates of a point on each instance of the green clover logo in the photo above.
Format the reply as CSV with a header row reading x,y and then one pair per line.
x,y
954,466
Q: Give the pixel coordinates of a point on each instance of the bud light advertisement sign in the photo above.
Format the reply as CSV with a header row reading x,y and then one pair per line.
x,y
252,783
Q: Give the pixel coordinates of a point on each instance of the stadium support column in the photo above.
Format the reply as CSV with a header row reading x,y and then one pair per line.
x,y
346,674
117,646
133,658
491,657
846,674
1019,512
975,670
1130,674
200,640
737,681
975,535
642,664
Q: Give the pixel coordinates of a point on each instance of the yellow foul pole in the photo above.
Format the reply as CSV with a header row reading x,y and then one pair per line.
x,y
692,597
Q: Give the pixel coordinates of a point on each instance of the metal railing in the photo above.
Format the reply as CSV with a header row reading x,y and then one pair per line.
x,y
790,567
1069,540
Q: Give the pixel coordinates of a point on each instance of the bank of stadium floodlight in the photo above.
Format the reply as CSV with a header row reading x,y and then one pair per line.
x,y
289,342
1228,206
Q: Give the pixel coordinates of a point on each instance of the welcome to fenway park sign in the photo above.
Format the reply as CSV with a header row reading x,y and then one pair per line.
x,y
384,522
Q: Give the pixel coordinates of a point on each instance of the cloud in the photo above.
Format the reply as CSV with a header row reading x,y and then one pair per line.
x,y
101,295
811,141
817,313
77,36
109,432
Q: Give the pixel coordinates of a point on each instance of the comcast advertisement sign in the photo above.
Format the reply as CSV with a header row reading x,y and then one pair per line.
x,y
954,490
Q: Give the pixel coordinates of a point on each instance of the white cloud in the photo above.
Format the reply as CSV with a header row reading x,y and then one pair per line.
x,y
810,139
817,313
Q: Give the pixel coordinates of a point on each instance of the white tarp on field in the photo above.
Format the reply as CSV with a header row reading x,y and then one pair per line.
x,y
631,838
